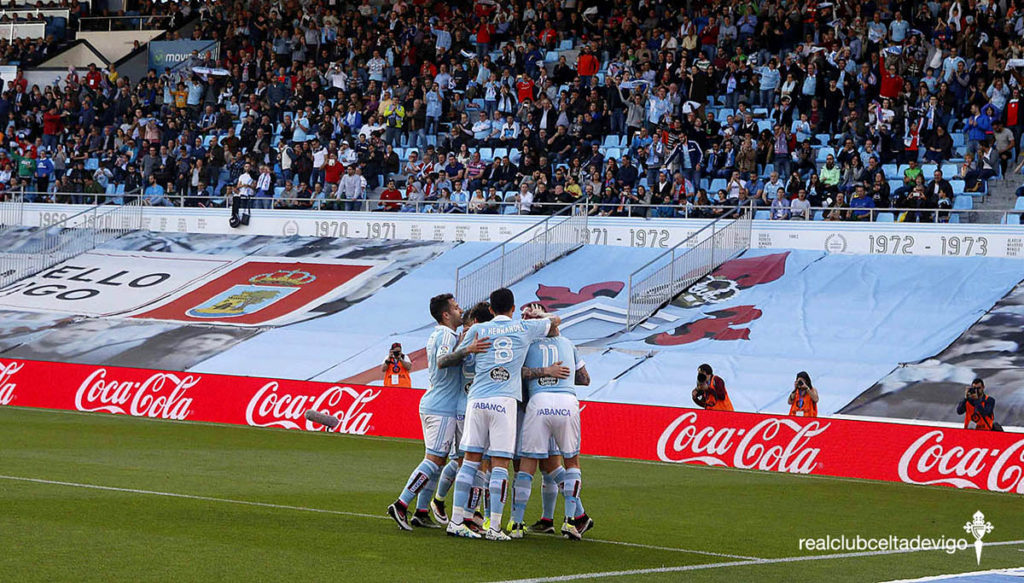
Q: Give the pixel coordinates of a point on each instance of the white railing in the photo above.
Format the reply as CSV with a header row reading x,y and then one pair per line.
x,y
664,277
36,12
520,255
71,237
12,213
13,30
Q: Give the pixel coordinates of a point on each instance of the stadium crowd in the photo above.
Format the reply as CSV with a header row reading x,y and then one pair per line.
x,y
643,108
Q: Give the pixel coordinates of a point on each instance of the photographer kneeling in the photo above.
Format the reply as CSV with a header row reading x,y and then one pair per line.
x,y
978,408
710,391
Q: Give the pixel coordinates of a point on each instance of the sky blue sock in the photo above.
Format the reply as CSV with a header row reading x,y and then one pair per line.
x,y
417,481
425,495
463,485
499,493
524,483
571,490
487,492
447,478
549,492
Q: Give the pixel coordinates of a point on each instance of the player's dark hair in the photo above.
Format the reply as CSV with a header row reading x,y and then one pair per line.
x,y
439,306
978,381
502,301
482,312
706,369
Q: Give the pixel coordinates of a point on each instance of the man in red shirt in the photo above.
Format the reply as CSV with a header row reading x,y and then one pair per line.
x,y
587,64
333,169
93,78
524,88
391,194
53,125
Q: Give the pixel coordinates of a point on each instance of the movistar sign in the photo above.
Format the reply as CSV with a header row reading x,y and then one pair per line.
x,y
168,54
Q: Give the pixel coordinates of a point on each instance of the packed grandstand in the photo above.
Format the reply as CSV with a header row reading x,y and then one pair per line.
x,y
836,111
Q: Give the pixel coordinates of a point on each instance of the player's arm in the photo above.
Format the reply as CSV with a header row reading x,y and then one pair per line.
x,y
555,370
455,357
553,329
813,393
582,376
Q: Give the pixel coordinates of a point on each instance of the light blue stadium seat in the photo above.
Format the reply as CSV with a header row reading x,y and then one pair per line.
x,y
824,152
958,186
724,113
885,218
895,183
963,203
954,218
949,171
1019,205
890,170
565,45
551,57
207,140
500,152
486,154
819,215
1011,219
92,164
762,215
611,141
717,184
763,125
958,139
928,170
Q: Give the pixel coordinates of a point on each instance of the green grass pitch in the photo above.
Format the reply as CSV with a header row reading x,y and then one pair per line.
x,y
198,502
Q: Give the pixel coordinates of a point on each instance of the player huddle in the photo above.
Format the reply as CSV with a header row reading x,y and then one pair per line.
x,y
473,413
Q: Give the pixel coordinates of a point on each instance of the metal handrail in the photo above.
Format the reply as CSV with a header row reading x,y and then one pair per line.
x,y
692,244
141,18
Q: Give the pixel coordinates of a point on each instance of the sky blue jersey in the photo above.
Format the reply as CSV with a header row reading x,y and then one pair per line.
x,y
548,351
468,371
498,372
442,397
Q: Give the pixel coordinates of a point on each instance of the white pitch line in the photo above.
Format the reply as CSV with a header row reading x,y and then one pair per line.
x,y
1011,571
684,568
323,511
191,497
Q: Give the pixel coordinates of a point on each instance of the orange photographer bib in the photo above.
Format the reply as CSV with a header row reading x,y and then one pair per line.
x,y
803,406
979,420
712,402
397,376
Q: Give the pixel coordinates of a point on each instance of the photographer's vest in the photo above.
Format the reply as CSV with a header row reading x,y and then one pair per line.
x,y
980,421
803,406
712,402
394,114
396,375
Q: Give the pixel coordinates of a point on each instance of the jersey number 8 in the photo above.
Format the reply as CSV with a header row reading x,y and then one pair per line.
x,y
502,350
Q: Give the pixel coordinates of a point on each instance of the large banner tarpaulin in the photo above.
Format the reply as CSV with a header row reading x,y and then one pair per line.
x,y
834,447
106,282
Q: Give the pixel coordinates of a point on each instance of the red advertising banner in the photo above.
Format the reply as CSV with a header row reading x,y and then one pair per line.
x,y
835,447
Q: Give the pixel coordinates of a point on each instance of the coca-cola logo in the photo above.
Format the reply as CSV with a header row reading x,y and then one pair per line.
x,y
162,395
271,408
927,461
773,444
6,386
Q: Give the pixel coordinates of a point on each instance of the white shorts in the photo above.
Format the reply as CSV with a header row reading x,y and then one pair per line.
x,y
438,433
551,417
490,427
460,428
